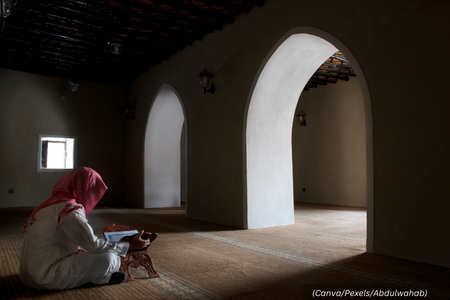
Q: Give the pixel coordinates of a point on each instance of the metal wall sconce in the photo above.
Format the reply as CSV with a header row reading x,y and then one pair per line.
x,y
74,86
127,111
6,7
5,10
301,118
204,81
116,46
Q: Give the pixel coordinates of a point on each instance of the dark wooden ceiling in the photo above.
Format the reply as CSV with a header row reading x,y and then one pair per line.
x,y
69,38
335,68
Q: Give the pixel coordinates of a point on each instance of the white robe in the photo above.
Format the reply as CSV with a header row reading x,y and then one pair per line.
x,y
50,259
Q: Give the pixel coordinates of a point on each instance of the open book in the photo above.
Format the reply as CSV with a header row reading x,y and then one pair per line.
x,y
116,236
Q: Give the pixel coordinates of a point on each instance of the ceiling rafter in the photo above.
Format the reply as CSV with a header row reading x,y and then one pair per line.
x,y
71,37
188,9
335,68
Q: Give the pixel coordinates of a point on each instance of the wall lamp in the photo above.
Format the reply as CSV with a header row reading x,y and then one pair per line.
x,y
116,45
127,111
204,81
7,7
5,10
301,118
74,86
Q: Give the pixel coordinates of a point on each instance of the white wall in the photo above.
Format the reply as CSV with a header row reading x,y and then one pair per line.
x,y
329,153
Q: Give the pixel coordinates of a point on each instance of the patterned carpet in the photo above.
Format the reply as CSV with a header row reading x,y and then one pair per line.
x,y
322,255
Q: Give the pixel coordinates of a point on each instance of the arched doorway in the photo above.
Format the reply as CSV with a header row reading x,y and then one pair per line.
x,y
268,126
163,173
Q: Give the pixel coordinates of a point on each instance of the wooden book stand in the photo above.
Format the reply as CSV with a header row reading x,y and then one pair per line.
x,y
134,258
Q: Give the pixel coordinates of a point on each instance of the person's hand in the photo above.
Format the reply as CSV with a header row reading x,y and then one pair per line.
x,y
150,236
137,243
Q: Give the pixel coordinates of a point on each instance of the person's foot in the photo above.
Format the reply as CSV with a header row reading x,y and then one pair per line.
x,y
117,277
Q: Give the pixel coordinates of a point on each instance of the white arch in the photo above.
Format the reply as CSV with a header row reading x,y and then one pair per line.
x,y
162,162
268,126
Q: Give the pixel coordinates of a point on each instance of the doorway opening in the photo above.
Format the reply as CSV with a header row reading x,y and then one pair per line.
x,y
268,131
165,151
329,138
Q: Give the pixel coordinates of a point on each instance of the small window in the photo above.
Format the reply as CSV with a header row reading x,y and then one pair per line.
x,y
56,153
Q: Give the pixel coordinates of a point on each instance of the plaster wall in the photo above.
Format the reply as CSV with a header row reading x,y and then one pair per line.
x,y
31,105
410,108
329,153
269,128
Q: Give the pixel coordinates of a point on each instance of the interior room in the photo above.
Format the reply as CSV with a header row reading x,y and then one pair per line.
x,y
280,148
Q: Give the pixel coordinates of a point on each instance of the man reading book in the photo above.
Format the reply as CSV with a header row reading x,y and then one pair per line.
x,y
58,229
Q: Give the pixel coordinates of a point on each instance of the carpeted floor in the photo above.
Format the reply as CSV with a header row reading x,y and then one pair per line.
x,y
323,252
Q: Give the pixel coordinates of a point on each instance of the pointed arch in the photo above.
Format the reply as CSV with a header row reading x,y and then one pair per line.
x,y
163,171
268,198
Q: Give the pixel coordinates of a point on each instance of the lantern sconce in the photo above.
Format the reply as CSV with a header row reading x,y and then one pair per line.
x,y
127,111
5,10
74,86
301,118
116,46
204,81
6,7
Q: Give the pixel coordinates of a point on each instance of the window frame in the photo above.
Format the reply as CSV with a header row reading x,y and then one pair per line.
x,y
39,156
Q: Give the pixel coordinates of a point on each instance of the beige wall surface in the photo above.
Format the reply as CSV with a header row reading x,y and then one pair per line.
x,y
31,105
389,40
329,153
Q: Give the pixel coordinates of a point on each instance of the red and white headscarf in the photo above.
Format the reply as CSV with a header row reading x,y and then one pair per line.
x,y
80,188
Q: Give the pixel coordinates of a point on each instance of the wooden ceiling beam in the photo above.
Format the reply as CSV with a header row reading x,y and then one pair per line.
x,y
73,56
218,18
66,66
36,28
140,22
328,75
228,5
319,81
152,14
339,58
40,12
38,56
41,41
86,44
71,36
349,70
95,28
336,71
